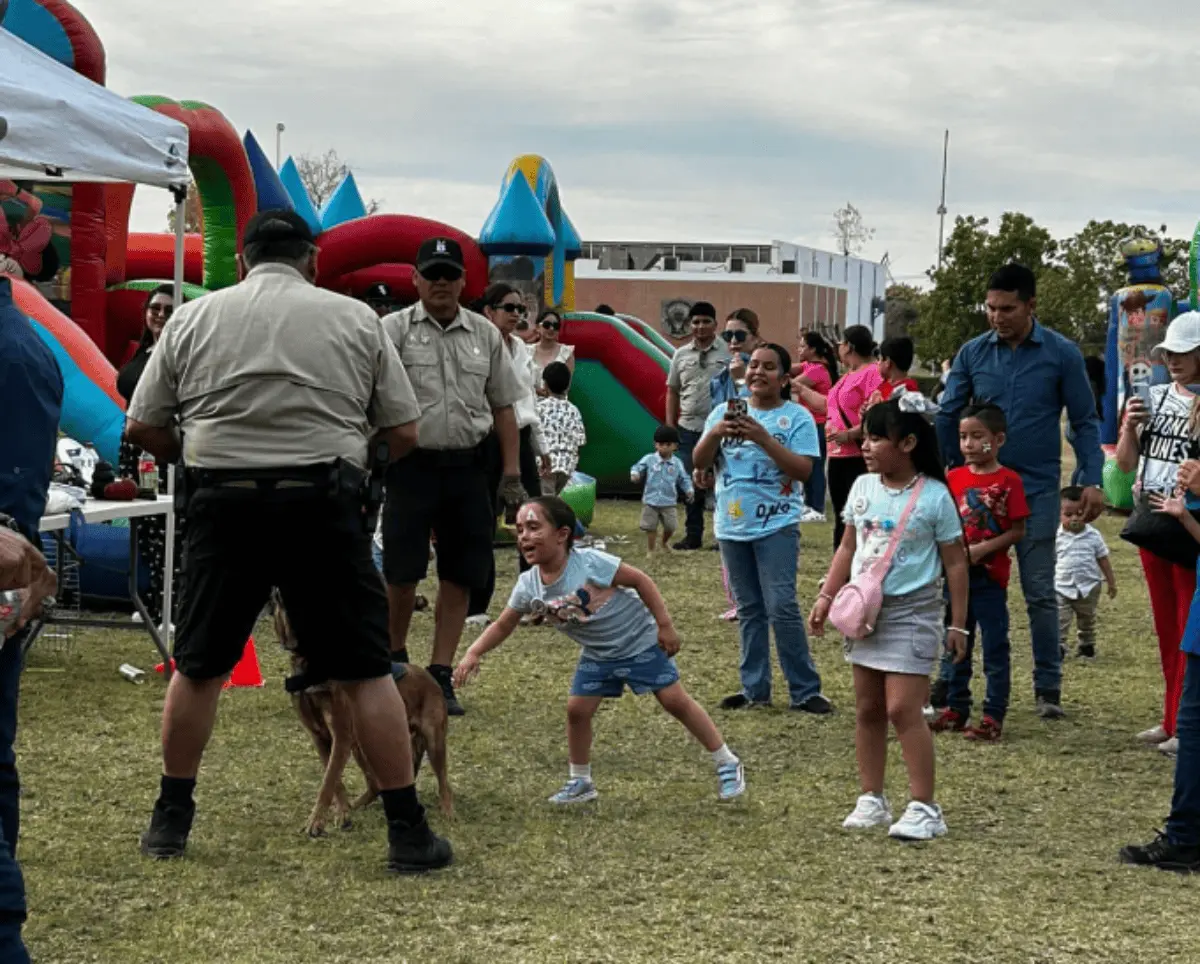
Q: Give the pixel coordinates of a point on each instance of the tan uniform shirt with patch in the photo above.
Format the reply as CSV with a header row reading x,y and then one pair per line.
x,y
460,373
274,373
692,371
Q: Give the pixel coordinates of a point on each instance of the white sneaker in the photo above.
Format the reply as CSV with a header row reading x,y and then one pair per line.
x,y
1153,736
812,515
872,810
1169,747
921,821
481,620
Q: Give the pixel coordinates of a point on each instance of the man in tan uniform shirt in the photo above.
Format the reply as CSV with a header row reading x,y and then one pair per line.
x,y
465,384
277,387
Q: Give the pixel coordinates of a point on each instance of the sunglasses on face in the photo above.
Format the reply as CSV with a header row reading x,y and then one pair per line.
x,y
513,308
732,337
551,325
441,272
164,310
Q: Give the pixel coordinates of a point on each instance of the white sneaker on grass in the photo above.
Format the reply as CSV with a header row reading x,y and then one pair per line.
x,y
1153,736
480,619
921,821
576,790
872,810
1169,747
731,780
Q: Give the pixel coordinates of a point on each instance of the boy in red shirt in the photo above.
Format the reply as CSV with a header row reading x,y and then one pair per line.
x,y
991,503
895,359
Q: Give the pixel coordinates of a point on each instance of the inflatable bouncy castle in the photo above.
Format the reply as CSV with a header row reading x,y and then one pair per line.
x,y
621,362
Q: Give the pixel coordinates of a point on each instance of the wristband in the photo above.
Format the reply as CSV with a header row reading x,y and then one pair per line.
x,y
824,595
955,629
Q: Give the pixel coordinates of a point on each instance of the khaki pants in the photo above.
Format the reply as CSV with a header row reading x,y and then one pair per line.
x,y
1084,611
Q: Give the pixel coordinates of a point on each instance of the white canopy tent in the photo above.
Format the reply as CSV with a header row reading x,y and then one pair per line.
x,y
56,125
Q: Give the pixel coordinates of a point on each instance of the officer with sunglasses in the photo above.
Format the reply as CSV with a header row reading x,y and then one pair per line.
x,y
689,399
465,385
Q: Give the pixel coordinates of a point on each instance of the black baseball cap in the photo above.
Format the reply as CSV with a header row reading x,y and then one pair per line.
x,y
378,292
276,227
435,251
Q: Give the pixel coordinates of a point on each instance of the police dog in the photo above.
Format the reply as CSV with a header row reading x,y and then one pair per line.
x,y
325,712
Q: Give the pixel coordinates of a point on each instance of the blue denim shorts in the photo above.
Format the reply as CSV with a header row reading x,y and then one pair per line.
x,y
648,672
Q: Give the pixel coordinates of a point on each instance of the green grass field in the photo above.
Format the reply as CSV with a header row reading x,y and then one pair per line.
x,y
656,869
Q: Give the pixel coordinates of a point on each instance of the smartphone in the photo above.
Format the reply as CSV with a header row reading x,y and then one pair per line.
x,y
735,408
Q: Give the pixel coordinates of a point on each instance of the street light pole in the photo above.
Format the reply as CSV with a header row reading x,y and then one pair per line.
x,y
942,205
279,129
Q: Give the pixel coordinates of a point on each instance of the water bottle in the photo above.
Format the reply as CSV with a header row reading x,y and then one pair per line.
x,y
147,478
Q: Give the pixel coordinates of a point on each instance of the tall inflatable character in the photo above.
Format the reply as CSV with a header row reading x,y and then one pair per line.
x,y
1138,317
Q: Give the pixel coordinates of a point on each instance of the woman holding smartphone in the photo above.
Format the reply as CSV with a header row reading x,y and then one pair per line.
x,y
761,447
1160,431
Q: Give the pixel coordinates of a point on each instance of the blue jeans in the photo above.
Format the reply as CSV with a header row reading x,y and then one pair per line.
x,y
762,575
814,488
12,884
1036,559
1183,826
987,609
694,524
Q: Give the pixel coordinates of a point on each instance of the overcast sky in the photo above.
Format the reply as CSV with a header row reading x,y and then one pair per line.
x,y
713,120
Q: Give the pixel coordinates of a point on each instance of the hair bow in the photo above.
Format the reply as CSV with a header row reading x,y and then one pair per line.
x,y
26,246
914,403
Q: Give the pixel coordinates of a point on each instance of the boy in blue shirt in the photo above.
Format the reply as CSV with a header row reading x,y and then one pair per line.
x,y
666,480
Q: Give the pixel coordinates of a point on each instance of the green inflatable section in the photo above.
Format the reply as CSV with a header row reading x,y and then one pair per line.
x,y
217,202
619,430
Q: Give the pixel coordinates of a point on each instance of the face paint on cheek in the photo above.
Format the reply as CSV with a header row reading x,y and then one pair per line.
x,y
986,448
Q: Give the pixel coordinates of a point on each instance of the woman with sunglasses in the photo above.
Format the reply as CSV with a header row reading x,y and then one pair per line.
x,y
504,308
741,337
549,348
152,531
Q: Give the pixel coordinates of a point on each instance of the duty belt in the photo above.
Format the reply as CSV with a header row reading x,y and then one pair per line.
x,y
268,480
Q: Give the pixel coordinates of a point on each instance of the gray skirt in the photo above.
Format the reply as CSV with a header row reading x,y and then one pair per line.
x,y
908,637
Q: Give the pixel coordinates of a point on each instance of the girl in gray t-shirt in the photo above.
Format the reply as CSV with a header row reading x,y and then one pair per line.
x,y
619,619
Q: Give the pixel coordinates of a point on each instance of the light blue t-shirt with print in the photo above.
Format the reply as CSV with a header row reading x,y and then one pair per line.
x,y
754,497
617,624
666,480
874,510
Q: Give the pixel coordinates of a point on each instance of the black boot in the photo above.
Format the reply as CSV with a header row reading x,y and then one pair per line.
x,y
170,824
416,849
443,675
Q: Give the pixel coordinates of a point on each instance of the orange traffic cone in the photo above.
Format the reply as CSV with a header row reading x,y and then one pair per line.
x,y
246,672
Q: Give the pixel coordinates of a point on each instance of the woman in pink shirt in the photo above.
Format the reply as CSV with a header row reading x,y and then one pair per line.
x,y
842,408
816,374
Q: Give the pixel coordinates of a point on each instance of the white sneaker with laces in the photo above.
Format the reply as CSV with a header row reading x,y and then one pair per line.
x,y
1153,736
872,810
577,790
921,821
1169,747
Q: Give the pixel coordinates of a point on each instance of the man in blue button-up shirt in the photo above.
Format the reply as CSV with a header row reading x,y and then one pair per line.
x,y
31,392
1032,373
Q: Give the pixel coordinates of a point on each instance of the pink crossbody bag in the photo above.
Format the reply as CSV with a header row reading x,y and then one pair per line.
x,y
854,611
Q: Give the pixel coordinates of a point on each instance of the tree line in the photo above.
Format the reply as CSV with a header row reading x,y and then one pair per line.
x,y
1076,276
